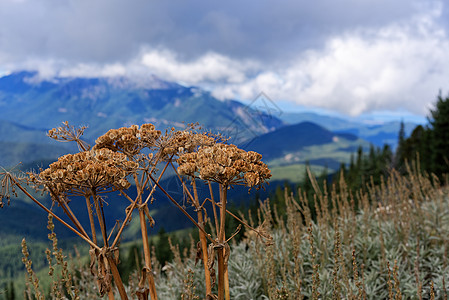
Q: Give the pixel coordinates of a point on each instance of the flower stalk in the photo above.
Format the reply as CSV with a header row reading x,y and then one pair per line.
x,y
121,155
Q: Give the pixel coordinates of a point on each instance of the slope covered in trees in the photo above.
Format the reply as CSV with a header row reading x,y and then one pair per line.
x,y
429,144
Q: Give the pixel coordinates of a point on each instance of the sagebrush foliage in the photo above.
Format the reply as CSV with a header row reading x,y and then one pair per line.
x,y
395,247
387,241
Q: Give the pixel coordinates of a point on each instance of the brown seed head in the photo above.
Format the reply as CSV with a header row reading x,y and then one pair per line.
x,y
129,140
177,142
67,133
76,173
225,164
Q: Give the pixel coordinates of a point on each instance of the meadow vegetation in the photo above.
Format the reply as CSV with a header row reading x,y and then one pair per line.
x,y
378,231
389,242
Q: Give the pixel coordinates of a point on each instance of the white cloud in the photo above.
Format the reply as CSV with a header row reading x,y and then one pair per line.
x,y
399,67
210,67
357,68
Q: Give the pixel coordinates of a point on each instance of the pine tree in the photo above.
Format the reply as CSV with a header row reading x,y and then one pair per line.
x,y
399,158
387,159
163,252
131,263
418,146
306,186
359,160
324,175
439,121
426,150
11,292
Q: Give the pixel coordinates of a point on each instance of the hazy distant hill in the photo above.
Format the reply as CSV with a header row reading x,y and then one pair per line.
x,y
29,107
294,138
378,134
104,103
302,143
20,143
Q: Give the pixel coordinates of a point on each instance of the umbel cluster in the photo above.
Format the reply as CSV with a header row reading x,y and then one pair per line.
x,y
138,157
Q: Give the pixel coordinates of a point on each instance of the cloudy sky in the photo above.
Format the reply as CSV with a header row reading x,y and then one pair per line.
x,y
349,56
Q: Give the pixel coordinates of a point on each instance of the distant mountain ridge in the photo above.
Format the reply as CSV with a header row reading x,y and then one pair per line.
x,y
29,106
288,149
106,103
295,137
378,134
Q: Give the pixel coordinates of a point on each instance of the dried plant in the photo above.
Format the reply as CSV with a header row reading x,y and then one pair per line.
x,y
67,133
387,242
346,252
130,156
31,278
226,165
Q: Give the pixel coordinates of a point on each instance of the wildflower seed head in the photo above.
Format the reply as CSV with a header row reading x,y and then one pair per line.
x,y
93,169
67,133
129,140
177,142
225,164
8,188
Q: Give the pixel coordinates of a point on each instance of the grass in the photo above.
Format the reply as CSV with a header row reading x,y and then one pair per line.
x,y
338,151
393,246
389,242
295,172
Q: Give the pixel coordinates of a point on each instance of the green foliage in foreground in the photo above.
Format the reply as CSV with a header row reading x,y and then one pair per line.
x,y
393,247
395,250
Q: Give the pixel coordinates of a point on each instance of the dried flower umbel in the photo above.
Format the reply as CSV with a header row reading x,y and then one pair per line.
x,y
7,189
177,142
130,156
78,174
226,165
129,140
67,133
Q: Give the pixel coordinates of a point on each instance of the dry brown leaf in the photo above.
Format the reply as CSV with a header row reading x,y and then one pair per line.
x,y
199,253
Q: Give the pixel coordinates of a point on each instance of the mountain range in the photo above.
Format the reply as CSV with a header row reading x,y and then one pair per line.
x,y
378,134
30,106
104,103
